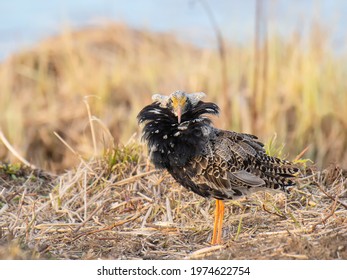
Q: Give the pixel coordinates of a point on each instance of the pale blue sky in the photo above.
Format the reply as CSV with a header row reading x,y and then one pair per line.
x,y
23,22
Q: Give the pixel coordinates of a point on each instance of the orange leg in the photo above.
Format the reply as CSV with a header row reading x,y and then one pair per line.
x,y
216,212
218,223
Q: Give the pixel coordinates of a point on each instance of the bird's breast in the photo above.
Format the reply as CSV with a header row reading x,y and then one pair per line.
x,y
177,144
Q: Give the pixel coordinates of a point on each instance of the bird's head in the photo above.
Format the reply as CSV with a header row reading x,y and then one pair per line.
x,y
179,102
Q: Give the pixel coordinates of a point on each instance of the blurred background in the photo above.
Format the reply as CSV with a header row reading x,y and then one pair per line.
x,y
277,69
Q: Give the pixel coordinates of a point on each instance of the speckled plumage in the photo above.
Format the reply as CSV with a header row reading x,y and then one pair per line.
x,y
204,159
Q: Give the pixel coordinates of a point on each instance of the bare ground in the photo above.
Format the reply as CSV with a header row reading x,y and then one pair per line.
x,y
118,208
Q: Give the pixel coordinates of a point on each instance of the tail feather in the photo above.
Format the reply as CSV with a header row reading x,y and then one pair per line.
x,y
277,173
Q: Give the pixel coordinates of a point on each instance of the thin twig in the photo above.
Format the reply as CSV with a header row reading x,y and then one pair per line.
x,y
301,154
223,61
201,253
149,211
332,212
274,213
104,127
85,194
257,60
91,215
74,152
145,196
91,124
239,228
109,227
331,197
14,152
132,179
297,257
168,210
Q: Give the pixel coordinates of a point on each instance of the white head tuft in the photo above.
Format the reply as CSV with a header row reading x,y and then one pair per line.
x,y
195,97
162,99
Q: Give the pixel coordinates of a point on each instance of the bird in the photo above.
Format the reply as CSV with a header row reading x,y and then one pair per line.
x,y
211,162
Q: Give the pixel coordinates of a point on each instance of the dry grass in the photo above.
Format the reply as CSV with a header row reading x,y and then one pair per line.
x,y
302,97
112,208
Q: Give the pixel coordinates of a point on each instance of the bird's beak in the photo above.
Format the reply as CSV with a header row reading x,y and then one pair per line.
x,y
179,113
178,104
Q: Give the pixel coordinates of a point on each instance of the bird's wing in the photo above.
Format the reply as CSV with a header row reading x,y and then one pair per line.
x,y
235,164
247,178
